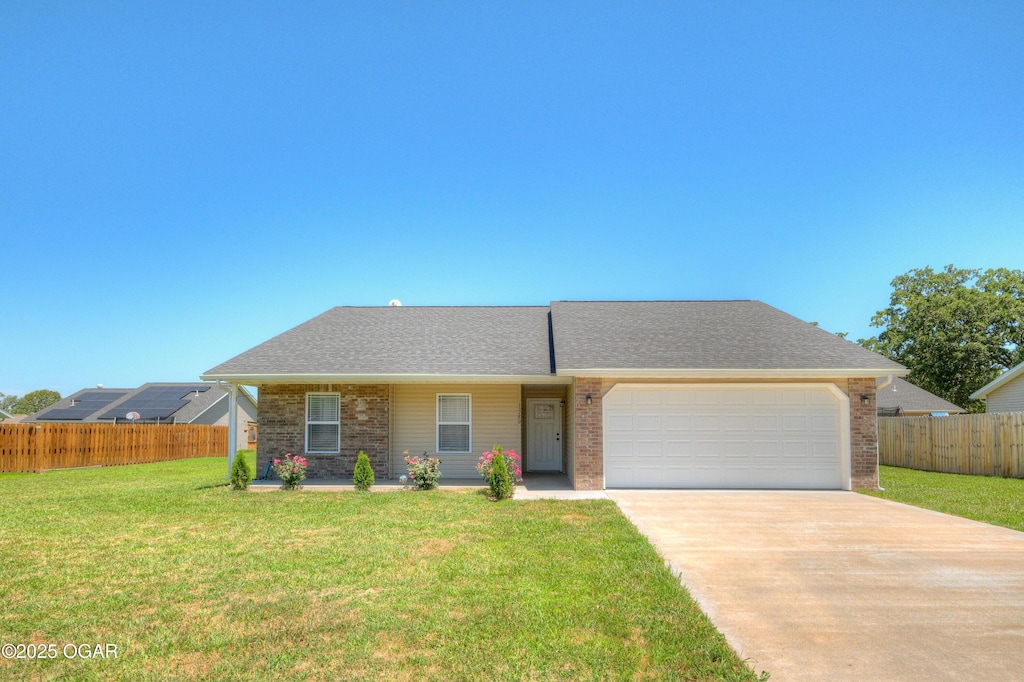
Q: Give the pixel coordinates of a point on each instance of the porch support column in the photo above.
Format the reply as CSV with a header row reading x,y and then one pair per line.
x,y
232,425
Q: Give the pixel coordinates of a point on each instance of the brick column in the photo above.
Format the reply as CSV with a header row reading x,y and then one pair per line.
x,y
588,435
863,434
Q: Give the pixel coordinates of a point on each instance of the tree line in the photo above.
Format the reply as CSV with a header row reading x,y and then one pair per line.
x,y
29,403
955,329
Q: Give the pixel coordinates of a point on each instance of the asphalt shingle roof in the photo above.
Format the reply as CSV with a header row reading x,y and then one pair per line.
x,y
193,404
682,335
911,398
399,340
516,341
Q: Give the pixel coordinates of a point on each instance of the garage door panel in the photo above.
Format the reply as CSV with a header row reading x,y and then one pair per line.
x,y
620,422
677,422
648,422
749,437
649,448
646,398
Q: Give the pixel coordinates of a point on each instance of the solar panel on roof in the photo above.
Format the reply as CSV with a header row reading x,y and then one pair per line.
x,y
156,402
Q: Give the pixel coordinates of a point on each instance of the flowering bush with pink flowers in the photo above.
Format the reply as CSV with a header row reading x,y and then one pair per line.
x,y
424,471
291,470
512,461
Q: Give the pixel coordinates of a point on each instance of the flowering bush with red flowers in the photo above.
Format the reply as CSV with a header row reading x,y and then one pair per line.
x,y
512,461
291,470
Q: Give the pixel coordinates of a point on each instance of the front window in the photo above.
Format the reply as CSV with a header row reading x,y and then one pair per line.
x,y
454,422
323,423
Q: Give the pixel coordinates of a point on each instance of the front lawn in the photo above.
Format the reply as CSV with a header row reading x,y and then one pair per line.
x,y
192,581
999,501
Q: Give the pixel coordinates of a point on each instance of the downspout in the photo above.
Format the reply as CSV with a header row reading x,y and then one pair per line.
x,y
877,389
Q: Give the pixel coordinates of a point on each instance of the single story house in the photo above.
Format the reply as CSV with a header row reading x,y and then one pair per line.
x,y
900,398
154,403
702,394
1005,393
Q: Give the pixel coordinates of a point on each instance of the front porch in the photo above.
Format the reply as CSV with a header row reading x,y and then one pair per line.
x,y
534,486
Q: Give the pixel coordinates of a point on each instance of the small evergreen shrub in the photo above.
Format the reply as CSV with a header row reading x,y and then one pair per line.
x,y
424,471
241,474
363,476
501,486
512,461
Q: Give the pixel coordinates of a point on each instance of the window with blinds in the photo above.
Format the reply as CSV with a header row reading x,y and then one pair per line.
x,y
323,423
454,422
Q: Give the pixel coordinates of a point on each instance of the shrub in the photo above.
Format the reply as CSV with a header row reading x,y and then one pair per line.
x,y
363,476
501,485
424,471
291,470
241,474
512,462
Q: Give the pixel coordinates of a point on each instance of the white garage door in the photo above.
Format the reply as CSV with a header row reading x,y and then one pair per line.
x,y
726,436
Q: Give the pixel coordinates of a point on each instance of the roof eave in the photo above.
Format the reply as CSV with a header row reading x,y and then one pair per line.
x,y
997,382
317,378
699,373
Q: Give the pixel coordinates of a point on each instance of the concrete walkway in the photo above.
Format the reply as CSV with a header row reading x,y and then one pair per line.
x,y
541,486
837,585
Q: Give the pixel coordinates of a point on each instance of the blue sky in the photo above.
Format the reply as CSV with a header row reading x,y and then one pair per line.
x,y
180,181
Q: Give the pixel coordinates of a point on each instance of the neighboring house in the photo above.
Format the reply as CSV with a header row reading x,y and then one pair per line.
x,y
1005,393
155,403
900,398
702,394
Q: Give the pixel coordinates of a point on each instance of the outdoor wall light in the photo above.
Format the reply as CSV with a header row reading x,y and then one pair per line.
x,y
589,399
865,399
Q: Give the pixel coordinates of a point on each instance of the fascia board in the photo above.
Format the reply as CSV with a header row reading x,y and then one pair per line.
x,y
734,373
256,379
997,382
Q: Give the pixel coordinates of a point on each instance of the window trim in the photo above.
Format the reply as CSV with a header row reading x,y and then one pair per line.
x,y
335,423
438,423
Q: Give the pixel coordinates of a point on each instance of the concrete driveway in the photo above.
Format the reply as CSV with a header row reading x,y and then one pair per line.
x,y
837,585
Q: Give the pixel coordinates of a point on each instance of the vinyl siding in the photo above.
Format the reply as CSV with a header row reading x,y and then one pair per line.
x,y
1008,397
217,415
495,421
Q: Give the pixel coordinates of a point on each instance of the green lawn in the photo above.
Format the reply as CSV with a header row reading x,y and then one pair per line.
x,y
999,501
193,581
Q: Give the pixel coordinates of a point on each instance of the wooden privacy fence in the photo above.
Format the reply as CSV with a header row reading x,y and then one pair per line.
x,y
38,447
984,444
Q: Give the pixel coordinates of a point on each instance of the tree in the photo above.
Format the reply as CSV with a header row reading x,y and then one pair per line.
x,y
955,330
30,403
7,403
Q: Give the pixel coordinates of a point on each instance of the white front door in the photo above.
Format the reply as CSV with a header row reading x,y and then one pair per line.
x,y
543,435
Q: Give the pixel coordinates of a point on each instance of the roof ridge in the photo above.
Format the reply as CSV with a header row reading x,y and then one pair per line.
x,y
666,300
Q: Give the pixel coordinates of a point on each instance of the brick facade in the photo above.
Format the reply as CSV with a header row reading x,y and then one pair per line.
x,y
365,425
863,434
588,434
